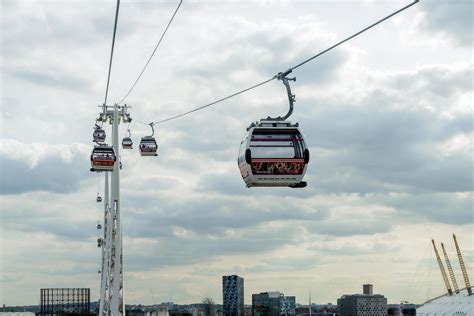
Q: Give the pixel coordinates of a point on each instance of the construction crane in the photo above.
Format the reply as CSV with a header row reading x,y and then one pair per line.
x,y
441,268
450,269
463,267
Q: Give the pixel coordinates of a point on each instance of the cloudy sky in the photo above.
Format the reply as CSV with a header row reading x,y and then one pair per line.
x,y
388,118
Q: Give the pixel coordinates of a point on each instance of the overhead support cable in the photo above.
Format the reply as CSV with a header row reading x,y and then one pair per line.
x,y
152,54
354,35
112,51
285,73
215,102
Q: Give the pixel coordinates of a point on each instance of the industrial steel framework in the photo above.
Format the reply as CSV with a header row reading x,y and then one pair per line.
x,y
441,268
450,269
111,286
463,267
72,301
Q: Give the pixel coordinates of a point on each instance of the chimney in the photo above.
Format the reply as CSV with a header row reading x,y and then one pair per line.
x,y
368,289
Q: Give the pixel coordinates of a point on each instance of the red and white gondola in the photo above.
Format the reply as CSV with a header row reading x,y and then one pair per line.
x,y
103,158
273,154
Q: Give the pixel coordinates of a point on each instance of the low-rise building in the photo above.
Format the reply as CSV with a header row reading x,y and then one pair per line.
x,y
362,304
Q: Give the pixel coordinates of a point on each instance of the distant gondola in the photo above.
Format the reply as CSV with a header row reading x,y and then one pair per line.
x,y
98,135
148,146
127,143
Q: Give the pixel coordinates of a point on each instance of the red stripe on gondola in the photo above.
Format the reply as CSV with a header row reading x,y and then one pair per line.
x,y
277,160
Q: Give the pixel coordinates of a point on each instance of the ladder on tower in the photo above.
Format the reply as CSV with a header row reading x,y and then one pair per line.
x,y
450,269
463,267
441,268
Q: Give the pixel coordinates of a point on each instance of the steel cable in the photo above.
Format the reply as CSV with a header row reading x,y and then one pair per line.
x,y
112,51
282,74
152,54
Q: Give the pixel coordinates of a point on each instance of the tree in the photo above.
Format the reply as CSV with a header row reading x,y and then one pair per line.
x,y
208,307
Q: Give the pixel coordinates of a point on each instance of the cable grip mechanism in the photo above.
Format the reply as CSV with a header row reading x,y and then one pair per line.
x,y
291,97
152,129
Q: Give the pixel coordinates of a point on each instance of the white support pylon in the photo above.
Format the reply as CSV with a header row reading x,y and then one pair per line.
x,y
116,281
111,290
105,269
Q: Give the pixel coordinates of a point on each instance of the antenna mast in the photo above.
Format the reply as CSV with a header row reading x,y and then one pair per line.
x,y
441,268
310,312
463,267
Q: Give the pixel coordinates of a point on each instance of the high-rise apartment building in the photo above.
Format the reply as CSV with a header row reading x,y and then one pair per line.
x,y
362,304
233,295
287,305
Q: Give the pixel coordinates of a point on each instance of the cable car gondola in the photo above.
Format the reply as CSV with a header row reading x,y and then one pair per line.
x,y
148,145
127,142
103,158
273,153
98,135
98,199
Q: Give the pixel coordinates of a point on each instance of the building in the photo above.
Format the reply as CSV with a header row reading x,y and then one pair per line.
x,y
273,304
233,295
287,305
362,304
368,289
160,311
266,304
401,309
73,301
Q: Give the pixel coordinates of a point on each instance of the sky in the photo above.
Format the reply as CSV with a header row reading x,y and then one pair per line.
x,y
387,117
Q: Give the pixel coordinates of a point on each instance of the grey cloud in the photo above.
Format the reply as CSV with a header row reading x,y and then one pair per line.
x,y
51,174
388,150
450,208
350,225
53,80
42,217
214,216
273,50
352,249
174,251
453,18
391,148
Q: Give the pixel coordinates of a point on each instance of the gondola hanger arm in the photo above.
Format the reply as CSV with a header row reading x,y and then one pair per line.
x,y
291,97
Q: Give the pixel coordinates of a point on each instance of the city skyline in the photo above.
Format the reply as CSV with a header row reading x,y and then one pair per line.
x,y
387,118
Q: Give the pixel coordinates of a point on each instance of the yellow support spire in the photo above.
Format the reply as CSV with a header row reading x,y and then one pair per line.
x,y
441,267
450,269
463,267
